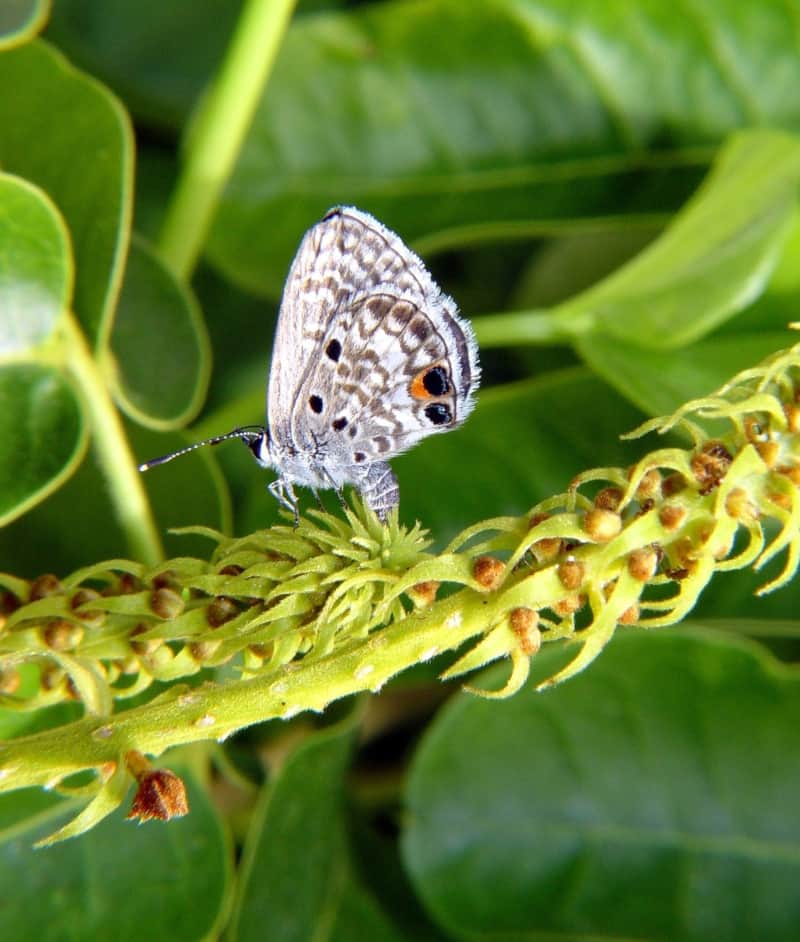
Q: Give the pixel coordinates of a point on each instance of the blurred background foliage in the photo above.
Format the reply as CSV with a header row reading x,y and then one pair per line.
x,y
530,150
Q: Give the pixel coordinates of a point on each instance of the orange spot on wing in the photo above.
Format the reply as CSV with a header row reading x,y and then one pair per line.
x,y
417,385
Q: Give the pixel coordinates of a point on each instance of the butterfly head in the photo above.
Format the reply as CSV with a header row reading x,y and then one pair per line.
x,y
256,437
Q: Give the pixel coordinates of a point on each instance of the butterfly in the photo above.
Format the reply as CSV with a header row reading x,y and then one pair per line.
x,y
369,358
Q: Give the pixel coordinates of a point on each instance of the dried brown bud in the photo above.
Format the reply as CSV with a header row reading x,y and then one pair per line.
x,y
167,579
88,616
44,586
9,680
203,650
671,516
166,603
602,525
231,570
769,452
52,677
262,650
569,605
146,645
782,500
649,487
488,572
424,593
525,625
161,794
630,616
571,573
222,609
642,563
673,484
609,498
792,414
710,465
62,635
790,471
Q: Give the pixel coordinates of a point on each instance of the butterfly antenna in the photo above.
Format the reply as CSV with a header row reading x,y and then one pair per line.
x,y
249,435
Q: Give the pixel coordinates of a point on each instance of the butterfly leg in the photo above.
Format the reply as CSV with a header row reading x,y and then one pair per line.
x,y
380,489
284,493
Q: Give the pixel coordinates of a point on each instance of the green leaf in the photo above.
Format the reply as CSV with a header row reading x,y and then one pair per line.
x,y
166,57
652,797
20,20
559,117
159,346
713,259
294,868
43,435
64,132
35,266
173,878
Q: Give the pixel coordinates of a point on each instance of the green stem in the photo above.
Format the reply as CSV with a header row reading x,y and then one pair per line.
x,y
220,129
113,451
216,711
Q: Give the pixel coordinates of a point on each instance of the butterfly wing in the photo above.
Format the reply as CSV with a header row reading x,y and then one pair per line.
x,y
381,357
344,257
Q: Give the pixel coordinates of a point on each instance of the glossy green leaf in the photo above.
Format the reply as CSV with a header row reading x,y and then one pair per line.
x,y
295,866
160,357
35,266
652,797
159,63
64,132
185,493
531,113
121,881
20,20
43,435
715,257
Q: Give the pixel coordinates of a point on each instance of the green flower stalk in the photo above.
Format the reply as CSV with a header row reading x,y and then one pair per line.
x,y
302,617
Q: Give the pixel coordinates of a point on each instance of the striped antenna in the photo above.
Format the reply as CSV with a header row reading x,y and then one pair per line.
x,y
249,435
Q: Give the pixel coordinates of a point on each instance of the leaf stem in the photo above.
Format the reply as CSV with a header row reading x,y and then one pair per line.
x,y
112,449
219,130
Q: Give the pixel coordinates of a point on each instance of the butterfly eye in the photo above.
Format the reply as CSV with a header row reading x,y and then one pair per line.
x,y
438,413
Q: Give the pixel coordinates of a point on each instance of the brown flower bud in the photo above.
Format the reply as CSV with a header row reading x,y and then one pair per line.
x,y
630,616
769,452
9,680
710,465
424,593
569,605
525,625
642,563
62,635
161,794
602,525
44,586
609,498
671,516
673,484
146,645
203,650
222,609
649,487
488,572
166,603
88,616
571,573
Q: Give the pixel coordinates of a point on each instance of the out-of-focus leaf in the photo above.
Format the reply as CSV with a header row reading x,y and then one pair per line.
x,y
35,266
295,866
713,260
652,797
76,526
20,20
175,877
160,357
64,132
42,433
530,114
158,63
